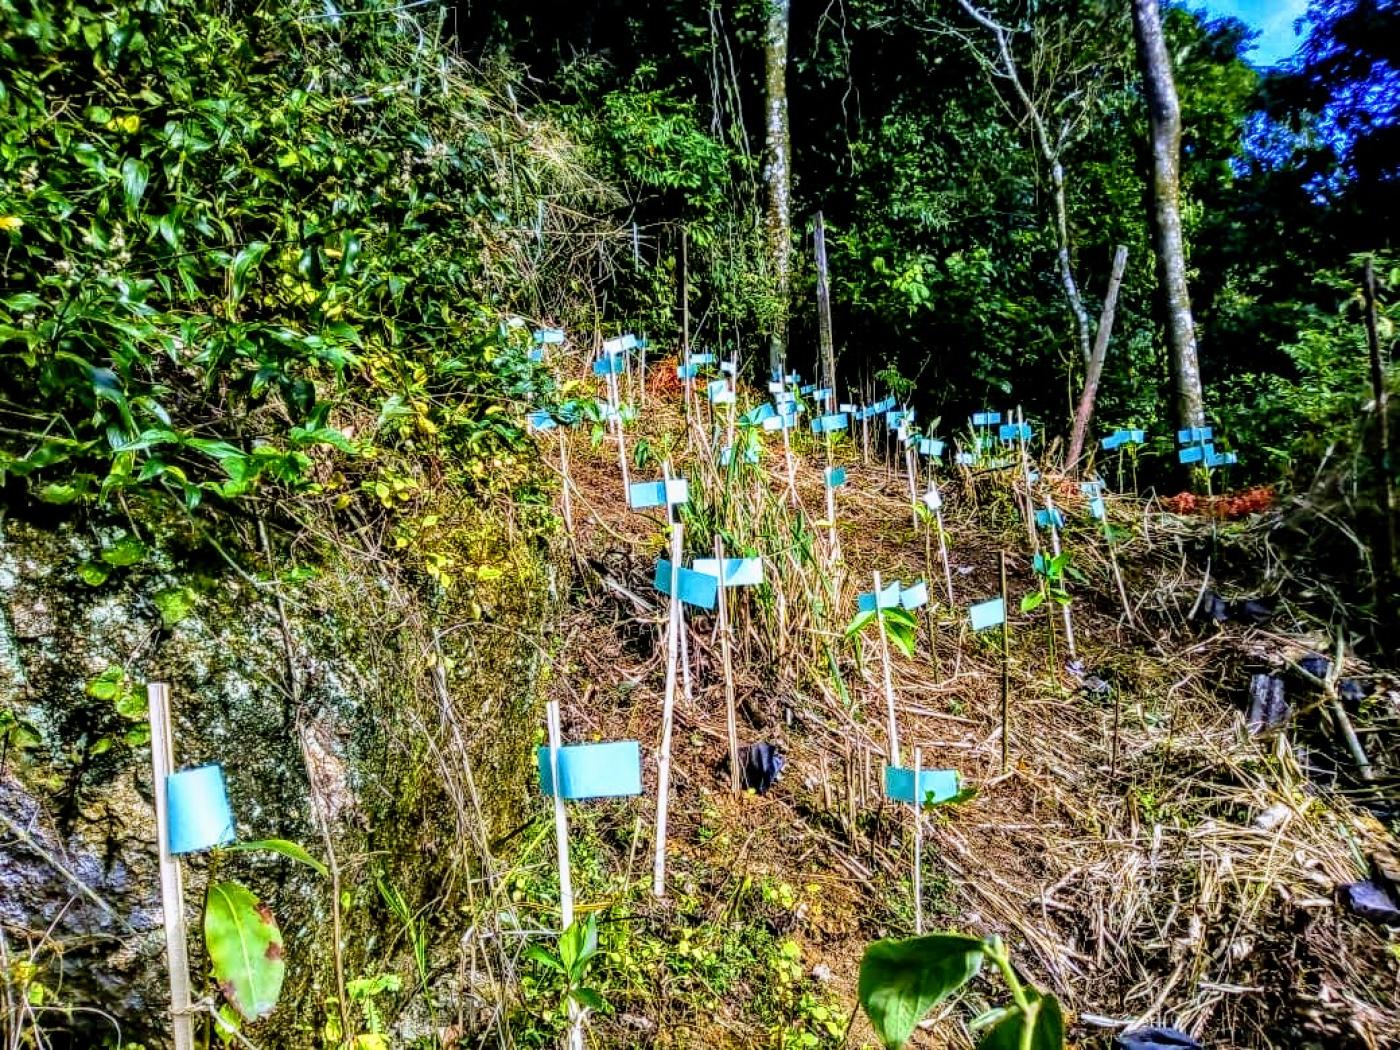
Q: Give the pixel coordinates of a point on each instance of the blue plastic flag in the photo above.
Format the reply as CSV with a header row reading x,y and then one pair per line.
x,y
930,447
1112,441
643,494
964,459
888,598
1039,565
696,588
935,785
885,405
1098,510
700,359
849,409
689,371
1045,517
893,419
541,420
1092,487
612,770
776,388
738,572
754,416
1195,434
986,419
1009,432
620,345
828,424
780,422
536,355
987,614
727,455
198,816
1136,437
727,367
793,379
716,387
606,412
1192,454
1219,459
807,388
609,366
835,477
548,336
914,596
821,394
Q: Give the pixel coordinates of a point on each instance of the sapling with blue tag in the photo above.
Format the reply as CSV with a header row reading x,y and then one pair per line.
x,y
919,787
730,572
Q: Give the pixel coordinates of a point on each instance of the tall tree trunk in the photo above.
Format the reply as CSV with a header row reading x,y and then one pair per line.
x,y
777,173
824,336
1164,128
1092,374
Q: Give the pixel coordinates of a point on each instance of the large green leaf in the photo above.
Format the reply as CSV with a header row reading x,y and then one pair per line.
x,y
245,949
287,848
902,980
1047,1030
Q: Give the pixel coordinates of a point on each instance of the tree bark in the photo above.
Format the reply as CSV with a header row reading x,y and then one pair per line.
x,y
1085,412
824,336
1164,129
777,174
1385,539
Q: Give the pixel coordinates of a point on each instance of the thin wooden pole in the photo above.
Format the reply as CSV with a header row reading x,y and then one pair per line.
x,y
824,304
172,890
561,819
1005,671
731,714
893,726
942,540
917,808
617,429
668,707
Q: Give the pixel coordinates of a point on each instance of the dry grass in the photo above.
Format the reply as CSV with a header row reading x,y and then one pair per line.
x,y
1149,893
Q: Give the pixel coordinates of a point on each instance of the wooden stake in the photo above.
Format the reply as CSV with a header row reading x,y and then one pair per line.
x,y
731,714
617,429
1005,670
913,492
893,727
917,808
668,707
172,890
561,820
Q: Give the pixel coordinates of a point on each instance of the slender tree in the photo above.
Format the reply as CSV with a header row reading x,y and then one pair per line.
x,y
1164,129
777,174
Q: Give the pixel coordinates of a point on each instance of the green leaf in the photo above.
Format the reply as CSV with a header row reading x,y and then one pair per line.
x,y
578,943
135,175
287,848
94,574
902,980
126,551
537,954
1032,601
590,999
174,603
1047,1029
245,949
107,685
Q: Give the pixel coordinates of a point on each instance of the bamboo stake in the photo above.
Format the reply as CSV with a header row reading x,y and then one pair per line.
x,y
731,715
918,844
668,706
172,891
564,470
561,847
942,541
892,727
1005,670
617,429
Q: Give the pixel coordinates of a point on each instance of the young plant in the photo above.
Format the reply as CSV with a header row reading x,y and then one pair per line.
x,y
902,980
1052,573
575,951
900,627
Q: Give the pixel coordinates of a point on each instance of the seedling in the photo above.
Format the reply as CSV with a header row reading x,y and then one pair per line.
x,y
575,950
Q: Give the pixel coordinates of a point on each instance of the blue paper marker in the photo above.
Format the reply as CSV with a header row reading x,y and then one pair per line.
x,y
850,410
612,770
541,420
930,447
1193,454
643,494
548,336
776,388
1010,432
688,371
964,459
700,359
536,356
915,596
727,367
1098,510
831,423
1112,442
884,406
1039,565
821,394
609,366
1046,517
940,784
893,419
697,588
716,387
1193,434
835,477
620,345
755,416
986,419
1092,488
727,455
777,422
198,816
1219,459
807,388
793,379
889,599
738,572
987,614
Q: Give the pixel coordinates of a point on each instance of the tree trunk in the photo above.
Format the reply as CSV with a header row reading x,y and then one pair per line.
x,y
824,336
777,172
1085,411
1383,557
1164,128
